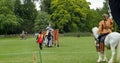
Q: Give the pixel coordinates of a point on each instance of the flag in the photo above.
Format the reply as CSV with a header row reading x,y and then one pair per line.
x,y
115,10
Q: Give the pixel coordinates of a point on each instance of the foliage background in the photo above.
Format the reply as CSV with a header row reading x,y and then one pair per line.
x,y
65,15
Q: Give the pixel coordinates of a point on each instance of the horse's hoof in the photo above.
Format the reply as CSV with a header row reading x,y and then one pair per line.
x,y
105,60
57,45
99,60
111,62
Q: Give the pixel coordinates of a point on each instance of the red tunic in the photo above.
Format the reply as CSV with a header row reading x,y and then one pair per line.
x,y
40,38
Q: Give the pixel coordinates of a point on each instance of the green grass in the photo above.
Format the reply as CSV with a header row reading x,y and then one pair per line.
x,y
71,50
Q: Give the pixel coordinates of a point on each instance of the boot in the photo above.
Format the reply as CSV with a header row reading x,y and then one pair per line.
x,y
102,47
97,47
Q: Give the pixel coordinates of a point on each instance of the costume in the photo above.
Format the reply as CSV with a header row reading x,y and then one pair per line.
x,y
105,27
49,36
40,40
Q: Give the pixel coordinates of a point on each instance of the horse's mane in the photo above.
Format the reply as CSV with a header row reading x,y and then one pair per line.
x,y
94,28
95,31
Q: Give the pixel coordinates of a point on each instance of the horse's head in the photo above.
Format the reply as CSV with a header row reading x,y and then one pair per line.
x,y
95,33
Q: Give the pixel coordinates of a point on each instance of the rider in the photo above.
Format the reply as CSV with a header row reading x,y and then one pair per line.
x,y
23,32
49,35
49,27
105,27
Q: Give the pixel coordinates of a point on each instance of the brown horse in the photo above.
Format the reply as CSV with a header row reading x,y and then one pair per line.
x,y
56,37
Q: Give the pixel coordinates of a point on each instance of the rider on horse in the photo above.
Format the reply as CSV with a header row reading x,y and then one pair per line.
x,y
105,27
23,32
49,36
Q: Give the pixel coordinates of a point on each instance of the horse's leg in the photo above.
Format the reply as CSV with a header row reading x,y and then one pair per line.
x,y
105,58
113,54
48,43
22,37
51,42
99,57
57,43
25,37
54,42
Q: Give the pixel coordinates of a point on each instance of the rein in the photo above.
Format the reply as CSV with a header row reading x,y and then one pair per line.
x,y
95,38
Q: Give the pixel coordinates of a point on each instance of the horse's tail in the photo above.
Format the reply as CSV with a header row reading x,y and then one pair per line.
x,y
118,51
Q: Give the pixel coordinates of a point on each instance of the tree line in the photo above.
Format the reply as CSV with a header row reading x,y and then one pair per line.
x,y
65,15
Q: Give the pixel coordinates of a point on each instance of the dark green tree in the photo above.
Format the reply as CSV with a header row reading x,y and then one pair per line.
x,y
42,21
93,19
95,16
27,12
69,15
45,6
8,20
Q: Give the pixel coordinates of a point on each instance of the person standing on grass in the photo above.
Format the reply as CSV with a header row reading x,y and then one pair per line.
x,y
40,38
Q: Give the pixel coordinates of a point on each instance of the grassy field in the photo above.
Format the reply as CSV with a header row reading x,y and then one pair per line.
x,y
71,50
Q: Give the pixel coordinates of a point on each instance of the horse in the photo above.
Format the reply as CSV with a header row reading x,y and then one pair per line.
x,y
112,40
56,37
23,35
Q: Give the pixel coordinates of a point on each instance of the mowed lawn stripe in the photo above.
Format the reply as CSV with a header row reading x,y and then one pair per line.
x,y
71,50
